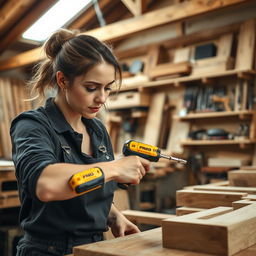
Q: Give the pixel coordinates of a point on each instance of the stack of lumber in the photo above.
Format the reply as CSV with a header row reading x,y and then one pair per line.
x,y
13,97
8,186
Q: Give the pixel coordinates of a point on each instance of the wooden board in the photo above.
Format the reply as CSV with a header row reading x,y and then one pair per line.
x,y
246,45
147,243
206,199
128,100
219,231
187,210
143,217
242,178
170,69
216,188
154,119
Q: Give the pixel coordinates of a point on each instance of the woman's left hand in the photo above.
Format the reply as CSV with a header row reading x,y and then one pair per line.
x,y
121,226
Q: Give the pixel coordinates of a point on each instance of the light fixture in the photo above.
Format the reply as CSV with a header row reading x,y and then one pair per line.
x,y
55,18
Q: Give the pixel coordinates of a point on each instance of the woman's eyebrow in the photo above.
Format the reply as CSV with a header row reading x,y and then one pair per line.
x,y
97,83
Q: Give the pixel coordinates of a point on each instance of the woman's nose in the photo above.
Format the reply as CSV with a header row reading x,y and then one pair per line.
x,y
101,96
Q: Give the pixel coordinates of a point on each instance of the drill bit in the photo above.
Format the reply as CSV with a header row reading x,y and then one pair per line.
x,y
172,158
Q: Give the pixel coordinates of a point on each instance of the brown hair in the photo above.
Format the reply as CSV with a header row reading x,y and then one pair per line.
x,y
73,54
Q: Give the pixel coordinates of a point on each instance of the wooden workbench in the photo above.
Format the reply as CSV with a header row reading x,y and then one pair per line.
x,y
147,243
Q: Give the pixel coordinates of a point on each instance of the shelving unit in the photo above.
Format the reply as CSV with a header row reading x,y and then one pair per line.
x,y
204,79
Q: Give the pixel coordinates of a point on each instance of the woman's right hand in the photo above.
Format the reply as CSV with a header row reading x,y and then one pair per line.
x,y
129,169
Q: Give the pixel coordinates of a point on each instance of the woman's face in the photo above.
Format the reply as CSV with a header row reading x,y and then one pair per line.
x,y
89,92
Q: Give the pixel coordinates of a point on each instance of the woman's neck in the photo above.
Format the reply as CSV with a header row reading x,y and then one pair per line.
x,y
73,118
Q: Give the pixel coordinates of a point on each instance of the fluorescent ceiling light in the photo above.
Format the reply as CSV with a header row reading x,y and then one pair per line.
x,y
55,18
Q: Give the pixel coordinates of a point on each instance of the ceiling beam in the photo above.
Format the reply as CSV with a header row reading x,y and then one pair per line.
x,y
124,28
131,6
88,15
25,23
12,11
141,6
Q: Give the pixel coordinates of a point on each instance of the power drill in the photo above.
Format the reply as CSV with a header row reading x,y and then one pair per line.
x,y
93,178
151,153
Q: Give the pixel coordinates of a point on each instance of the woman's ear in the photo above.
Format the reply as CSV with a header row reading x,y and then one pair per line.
x,y
61,80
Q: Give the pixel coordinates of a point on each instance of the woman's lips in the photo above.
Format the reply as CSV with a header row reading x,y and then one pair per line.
x,y
94,109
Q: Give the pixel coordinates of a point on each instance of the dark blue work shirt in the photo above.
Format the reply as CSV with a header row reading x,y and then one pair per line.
x,y
42,137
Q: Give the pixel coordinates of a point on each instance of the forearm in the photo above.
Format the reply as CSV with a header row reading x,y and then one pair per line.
x,y
53,183
114,212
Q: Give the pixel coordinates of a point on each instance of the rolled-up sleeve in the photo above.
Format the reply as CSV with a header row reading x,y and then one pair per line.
x,y
33,150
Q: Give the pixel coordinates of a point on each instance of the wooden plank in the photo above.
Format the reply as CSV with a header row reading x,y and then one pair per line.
x,y
154,119
128,100
165,69
165,15
5,138
242,203
249,167
142,217
219,231
246,45
225,189
147,243
225,43
179,131
125,28
242,178
187,210
206,199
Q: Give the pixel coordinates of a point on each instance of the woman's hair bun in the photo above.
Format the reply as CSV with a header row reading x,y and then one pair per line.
x,y
54,43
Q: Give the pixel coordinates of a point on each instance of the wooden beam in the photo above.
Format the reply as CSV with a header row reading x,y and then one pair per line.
x,y
24,23
182,11
182,41
141,6
88,15
11,12
166,15
131,6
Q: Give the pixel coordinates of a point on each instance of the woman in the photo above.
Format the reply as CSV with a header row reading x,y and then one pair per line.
x,y
63,138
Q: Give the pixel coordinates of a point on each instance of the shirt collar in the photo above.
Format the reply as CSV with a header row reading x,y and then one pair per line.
x,y
60,123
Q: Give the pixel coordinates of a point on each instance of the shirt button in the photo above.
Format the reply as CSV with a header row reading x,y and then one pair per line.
x,y
107,156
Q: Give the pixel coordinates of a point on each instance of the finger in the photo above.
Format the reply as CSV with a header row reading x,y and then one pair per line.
x,y
142,170
145,163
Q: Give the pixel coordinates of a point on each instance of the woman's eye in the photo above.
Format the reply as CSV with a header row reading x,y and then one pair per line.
x,y
89,89
108,88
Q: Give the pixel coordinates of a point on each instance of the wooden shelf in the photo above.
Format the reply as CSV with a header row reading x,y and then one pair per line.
x,y
216,142
240,114
204,78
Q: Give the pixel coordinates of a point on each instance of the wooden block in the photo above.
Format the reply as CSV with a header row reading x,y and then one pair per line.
x,y
128,100
206,199
187,210
170,69
9,199
212,65
182,55
242,178
218,231
246,45
147,243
